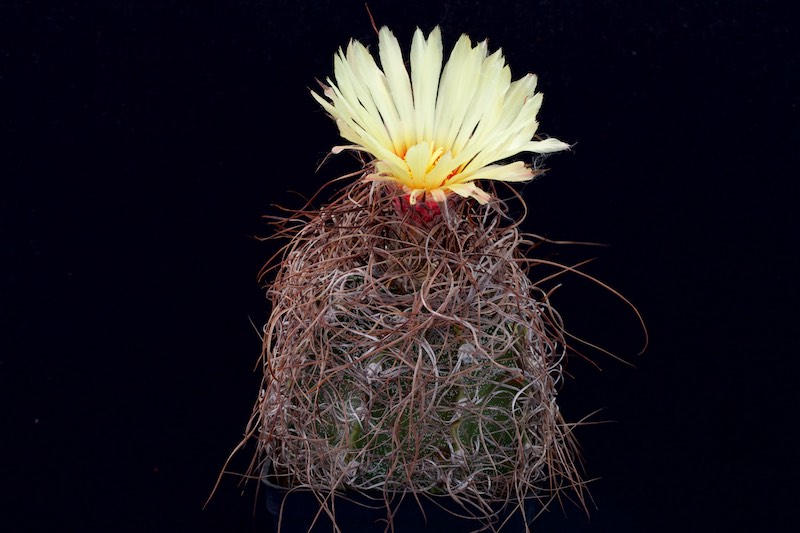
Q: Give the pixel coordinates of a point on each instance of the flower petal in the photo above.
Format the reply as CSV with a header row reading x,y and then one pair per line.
x,y
470,190
460,79
417,159
436,176
398,82
516,171
546,146
426,69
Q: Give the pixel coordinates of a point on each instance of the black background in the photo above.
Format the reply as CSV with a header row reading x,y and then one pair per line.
x,y
144,142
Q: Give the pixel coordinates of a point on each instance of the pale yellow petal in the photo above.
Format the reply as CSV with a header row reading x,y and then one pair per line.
x,y
355,98
460,79
509,141
516,171
360,121
438,195
426,69
546,146
374,79
398,169
417,159
515,98
486,106
399,84
437,175
470,190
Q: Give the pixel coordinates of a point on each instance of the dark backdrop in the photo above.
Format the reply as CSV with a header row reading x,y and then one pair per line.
x,y
144,142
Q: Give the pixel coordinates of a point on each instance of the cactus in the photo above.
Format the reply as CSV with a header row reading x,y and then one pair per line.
x,y
407,349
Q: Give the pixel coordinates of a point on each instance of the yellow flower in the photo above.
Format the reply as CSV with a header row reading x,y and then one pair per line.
x,y
441,129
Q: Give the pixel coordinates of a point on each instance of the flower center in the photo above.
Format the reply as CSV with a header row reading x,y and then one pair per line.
x,y
427,168
435,156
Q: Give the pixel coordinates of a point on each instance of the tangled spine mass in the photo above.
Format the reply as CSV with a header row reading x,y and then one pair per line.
x,y
411,353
